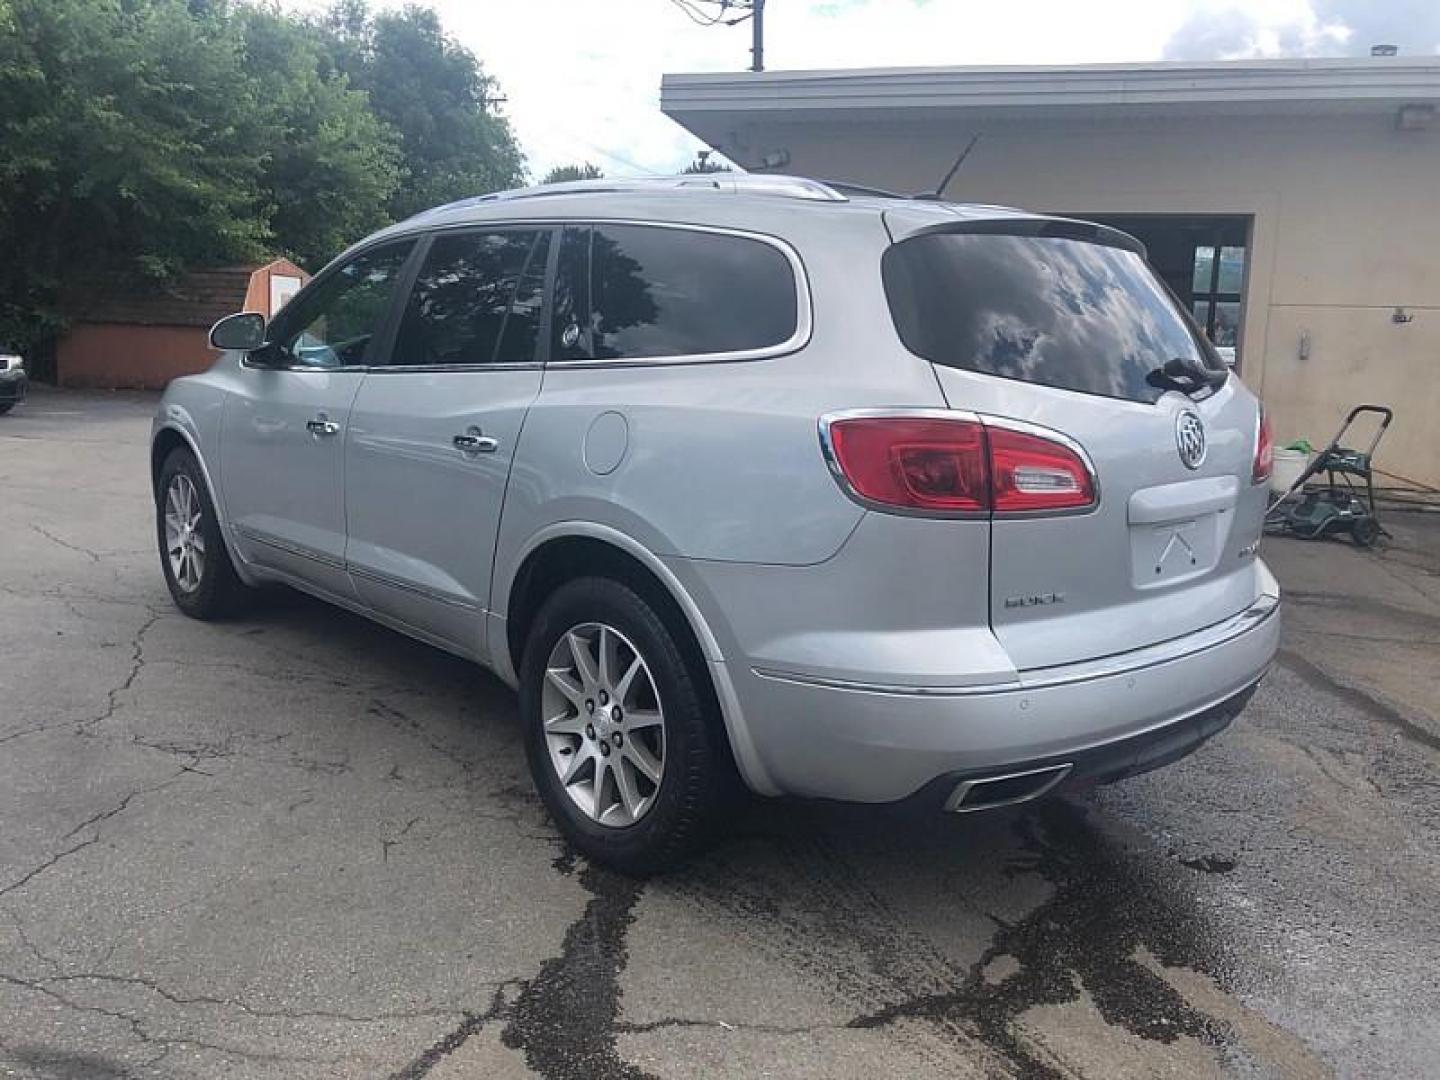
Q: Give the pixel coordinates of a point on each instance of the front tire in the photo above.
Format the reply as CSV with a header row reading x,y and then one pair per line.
x,y
6,406
196,564
622,732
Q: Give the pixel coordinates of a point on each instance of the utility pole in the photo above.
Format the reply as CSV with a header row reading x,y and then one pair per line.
x,y
730,13
757,31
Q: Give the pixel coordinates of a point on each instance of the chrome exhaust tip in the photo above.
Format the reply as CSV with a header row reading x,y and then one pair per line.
x,y
1009,789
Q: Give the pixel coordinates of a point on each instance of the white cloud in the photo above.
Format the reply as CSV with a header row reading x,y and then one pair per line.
x,y
582,78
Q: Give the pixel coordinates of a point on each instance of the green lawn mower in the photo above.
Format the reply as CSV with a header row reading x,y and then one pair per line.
x,y
1341,506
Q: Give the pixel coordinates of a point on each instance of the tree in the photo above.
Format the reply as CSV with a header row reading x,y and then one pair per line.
x,y
124,147
562,173
142,137
329,165
434,93
703,164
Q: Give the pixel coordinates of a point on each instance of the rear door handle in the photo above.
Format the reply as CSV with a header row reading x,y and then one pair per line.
x,y
475,442
322,425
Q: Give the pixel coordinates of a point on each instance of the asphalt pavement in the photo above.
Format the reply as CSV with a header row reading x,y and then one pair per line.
x,y
300,845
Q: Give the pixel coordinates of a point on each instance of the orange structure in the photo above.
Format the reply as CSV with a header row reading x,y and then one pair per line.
x,y
142,340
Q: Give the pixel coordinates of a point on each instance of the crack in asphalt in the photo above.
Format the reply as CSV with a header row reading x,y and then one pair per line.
x,y
48,535
137,664
565,1018
34,873
664,1022
1364,605
454,1040
1377,710
397,839
197,752
93,820
143,1035
402,721
1105,909
240,1004
578,992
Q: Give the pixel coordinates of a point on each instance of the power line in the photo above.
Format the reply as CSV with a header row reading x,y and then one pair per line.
x,y
696,15
754,10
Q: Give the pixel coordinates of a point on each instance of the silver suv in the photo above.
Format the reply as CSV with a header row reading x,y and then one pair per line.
x,y
841,495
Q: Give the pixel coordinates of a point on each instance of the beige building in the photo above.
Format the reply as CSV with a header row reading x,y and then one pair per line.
x,y
1294,205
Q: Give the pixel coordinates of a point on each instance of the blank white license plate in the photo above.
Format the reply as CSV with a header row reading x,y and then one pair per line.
x,y
1174,551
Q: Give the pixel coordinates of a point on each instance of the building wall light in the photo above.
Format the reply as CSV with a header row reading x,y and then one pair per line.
x,y
1414,117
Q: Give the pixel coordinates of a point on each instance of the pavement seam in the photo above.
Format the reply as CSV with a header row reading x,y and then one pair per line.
x,y
1362,700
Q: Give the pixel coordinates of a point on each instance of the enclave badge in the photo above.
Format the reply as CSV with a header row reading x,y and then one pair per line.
x,y
1190,438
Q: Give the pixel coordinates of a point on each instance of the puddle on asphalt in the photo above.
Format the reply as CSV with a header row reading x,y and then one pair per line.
x,y
1117,913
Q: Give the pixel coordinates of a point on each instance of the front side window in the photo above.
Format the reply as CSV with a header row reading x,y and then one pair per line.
x,y
477,300
1055,311
334,324
644,292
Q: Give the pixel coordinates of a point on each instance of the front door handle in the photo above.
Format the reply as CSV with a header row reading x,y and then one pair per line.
x,y
476,442
322,425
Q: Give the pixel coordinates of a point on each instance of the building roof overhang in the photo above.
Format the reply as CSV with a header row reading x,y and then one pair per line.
x,y
710,104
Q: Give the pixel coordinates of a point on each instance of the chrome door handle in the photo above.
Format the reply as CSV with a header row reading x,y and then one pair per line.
x,y
473,442
322,426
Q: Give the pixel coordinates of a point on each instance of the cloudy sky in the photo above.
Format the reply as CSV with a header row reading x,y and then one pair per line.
x,y
582,77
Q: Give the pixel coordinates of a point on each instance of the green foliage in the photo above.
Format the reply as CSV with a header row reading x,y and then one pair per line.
x,y
434,93
330,164
703,164
124,145
142,137
561,174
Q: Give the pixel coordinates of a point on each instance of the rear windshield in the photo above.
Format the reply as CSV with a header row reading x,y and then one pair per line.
x,y
1054,311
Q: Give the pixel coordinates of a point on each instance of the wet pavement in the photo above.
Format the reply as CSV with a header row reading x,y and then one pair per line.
x,y
300,845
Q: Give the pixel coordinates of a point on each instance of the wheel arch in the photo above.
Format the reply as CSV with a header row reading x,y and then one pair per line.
x,y
563,552
166,441
168,438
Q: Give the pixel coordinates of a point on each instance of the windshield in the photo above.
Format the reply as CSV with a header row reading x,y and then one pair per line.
x,y
1054,311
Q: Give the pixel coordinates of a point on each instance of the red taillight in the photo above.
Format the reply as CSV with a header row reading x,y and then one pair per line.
x,y
1264,451
957,466
1034,473
918,464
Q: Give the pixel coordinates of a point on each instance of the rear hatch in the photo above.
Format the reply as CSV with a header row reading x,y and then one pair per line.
x,y
1063,325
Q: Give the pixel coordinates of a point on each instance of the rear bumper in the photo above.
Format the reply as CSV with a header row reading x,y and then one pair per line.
x,y
1112,717
1108,762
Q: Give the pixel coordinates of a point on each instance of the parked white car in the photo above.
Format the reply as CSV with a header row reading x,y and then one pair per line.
x,y
14,382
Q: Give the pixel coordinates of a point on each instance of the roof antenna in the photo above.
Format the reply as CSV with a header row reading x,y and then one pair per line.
x,y
939,192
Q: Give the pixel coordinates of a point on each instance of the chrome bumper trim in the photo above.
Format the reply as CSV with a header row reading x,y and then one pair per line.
x,y
1165,652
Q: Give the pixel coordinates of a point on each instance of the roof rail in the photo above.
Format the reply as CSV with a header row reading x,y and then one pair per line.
x,y
790,187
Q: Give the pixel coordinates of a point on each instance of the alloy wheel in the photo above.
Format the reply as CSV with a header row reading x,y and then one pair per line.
x,y
184,539
604,725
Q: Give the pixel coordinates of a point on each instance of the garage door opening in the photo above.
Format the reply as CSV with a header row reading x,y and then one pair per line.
x,y
1204,260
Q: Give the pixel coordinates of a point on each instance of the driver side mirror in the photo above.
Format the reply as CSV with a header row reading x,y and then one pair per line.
x,y
244,332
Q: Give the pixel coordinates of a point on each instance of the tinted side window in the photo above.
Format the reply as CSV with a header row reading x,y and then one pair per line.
x,y
658,292
477,300
1058,312
333,324
572,296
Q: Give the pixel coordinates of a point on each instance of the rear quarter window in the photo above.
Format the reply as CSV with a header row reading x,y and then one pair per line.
x,y
628,292
1053,311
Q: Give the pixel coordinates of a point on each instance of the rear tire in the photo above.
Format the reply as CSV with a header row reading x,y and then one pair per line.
x,y
597,741
6,406
193,557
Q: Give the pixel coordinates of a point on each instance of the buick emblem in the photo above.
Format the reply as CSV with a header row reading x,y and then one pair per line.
x,y
1190,438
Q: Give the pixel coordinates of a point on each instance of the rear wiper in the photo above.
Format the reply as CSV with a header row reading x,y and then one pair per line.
x,y
1186,376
